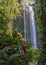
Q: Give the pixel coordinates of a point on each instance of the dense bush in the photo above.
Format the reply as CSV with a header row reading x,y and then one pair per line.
x,y
15,51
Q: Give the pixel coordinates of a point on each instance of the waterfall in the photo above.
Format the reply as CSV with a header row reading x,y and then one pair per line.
x,y
24,25
32,26
29,26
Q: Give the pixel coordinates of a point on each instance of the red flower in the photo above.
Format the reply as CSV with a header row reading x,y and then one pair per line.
x,y
24,48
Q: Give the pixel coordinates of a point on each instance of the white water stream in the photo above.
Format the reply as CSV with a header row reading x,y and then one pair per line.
x,y
32,26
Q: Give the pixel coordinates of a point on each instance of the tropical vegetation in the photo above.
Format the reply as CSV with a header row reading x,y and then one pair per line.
x,y
13,48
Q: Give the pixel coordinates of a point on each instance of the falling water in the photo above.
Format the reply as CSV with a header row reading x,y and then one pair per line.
x,y
29,21
32,25
24,25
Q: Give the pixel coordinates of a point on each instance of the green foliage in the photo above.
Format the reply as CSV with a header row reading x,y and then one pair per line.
x,y
36,54
43,3
13,54
39,21
10,7
8,38
29,53
18,22
10,46
32,54
42,57
3,22
17,37
38,15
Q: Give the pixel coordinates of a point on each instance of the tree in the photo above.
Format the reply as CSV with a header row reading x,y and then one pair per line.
x,y
43,17
11,9
42,57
